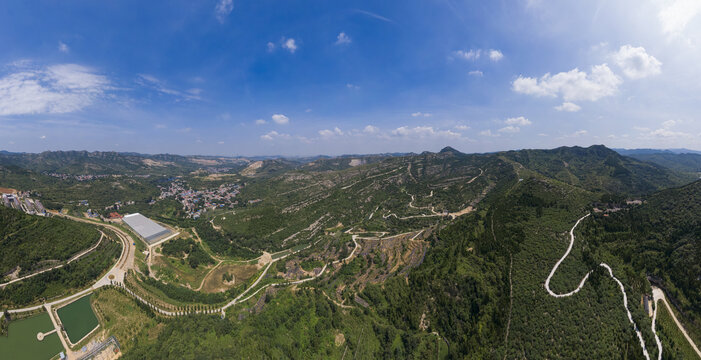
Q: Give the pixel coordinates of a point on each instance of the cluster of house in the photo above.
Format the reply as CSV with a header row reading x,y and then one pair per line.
x,y
76,177
195,202
88,177
610,207
21,201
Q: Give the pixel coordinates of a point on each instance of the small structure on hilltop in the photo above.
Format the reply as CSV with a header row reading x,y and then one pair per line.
x,y
146,228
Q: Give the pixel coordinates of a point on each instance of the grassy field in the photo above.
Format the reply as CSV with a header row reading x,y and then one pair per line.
x,y
172,270
21,342
241,273
673,341
78,318
120,316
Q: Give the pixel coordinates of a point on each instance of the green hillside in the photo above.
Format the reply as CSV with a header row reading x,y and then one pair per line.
x,y
34,242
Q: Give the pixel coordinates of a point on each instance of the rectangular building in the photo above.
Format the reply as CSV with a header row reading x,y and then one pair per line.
x,y
146,228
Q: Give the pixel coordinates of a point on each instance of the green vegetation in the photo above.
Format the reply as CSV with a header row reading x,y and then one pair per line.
x,y
21,342
78,318
123,317
59,282
34,242
299,325
446,287
674,344
182,247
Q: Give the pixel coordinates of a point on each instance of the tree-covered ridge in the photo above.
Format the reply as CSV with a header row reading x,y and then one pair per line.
x,y
34,242
599,169
661,238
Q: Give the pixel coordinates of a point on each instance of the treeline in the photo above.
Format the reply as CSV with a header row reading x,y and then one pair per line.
x,y
292,325
185,295
28,241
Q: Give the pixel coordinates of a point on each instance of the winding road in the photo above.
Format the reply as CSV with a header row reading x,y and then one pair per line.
x,y
620,285
658,295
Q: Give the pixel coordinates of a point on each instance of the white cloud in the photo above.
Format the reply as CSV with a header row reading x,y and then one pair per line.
x,y
154,83
272,135
677,14
572,85
62,47
568,106
664,132
260,122
495,55
424,132
488,133
476,73
270,46
330,133
636,63
520,121
462,127
280,119
421,114
42,137
509,129
290,44
160,126
220,142
223,9
371,129
476,54
342,39
579,133
55,89
352,86
471,54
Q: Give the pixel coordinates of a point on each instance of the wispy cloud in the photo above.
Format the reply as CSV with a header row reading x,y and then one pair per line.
x,y
152,82
421,114
374,15
343,39
568,107
272,135
62,47
475,54
54,89
223,9
290,45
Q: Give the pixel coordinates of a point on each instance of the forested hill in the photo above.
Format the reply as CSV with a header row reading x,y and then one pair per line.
x,y
96,163
33,242
599,169
662,237
690,163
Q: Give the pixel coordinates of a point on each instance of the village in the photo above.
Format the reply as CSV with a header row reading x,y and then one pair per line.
x,y
195,202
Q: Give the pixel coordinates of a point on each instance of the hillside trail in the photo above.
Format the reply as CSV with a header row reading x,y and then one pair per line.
x,y
620,285
658,294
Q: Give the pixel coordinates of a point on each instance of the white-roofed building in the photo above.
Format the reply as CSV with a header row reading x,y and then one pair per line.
x,y
149,230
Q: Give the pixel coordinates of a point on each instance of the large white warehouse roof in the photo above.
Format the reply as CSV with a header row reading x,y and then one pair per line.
x,y
146,228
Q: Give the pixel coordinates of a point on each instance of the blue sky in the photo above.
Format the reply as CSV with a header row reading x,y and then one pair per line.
x,y
321,77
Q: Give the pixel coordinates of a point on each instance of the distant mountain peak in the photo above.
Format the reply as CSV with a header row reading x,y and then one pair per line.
x,y
449,149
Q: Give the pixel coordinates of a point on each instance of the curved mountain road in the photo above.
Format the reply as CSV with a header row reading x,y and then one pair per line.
x,y
620,285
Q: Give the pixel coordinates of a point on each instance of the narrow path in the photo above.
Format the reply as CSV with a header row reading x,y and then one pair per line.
x,y
658,294
584,280
72,259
